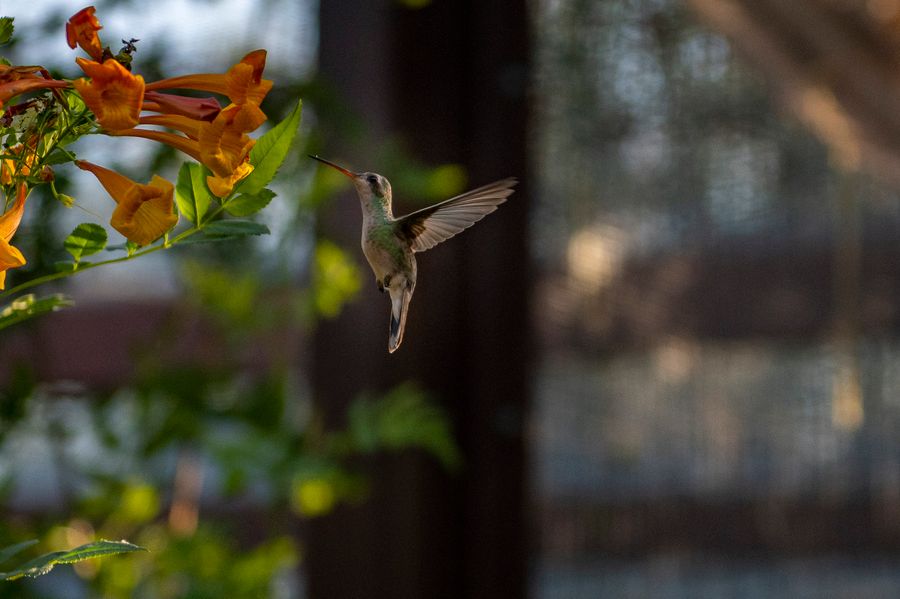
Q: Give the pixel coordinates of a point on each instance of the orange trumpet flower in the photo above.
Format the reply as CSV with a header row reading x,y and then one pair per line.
x,y
10,256
113,94
144,212
81,30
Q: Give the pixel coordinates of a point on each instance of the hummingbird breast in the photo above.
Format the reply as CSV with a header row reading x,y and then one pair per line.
x,y
387,254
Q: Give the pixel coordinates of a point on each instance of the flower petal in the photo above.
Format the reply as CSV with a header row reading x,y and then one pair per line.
x,y
179,142
20,86
243,83
145,216
183,124
202,109
81,30
224,143
113,93
10,256
222,186
11,219
143,212
116,184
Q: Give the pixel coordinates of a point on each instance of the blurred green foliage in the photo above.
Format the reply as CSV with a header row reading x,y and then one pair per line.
x,y
221,433
336,279
213,455
229,432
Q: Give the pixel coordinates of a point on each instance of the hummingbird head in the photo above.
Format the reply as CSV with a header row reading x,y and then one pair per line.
x,y
374,184
372,188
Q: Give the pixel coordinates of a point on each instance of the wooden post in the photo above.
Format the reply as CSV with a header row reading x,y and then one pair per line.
x,y
450,79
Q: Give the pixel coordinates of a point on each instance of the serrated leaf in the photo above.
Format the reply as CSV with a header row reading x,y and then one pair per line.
x,y
86,239
235,228
43,564
191,194
6,30
246,204
269,152
28,306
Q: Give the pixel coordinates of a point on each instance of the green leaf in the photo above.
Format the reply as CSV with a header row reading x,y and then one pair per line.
x,y
269,152
246,204
45,563
202,237
403,419
86,239
6,30
235,228
8,552
58,156
191,194
28,306
65,266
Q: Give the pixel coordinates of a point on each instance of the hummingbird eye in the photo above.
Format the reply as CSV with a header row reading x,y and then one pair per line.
x,y
372,179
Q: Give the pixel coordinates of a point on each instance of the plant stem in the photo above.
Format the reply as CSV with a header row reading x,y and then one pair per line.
x,y
89,265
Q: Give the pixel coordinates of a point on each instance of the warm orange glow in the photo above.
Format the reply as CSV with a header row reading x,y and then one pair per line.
x,y
113,94
242,84
144,212
218,146
179,142
225,148
81,30
222,186
188,126
10,256
224,143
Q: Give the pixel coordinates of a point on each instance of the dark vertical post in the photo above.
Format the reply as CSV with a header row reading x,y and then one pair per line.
x,y
450,79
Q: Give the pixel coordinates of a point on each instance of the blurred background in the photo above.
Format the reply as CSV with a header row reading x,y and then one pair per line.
x,y
667,367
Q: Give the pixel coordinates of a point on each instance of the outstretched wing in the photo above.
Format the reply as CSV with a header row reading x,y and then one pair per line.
x,y
428,227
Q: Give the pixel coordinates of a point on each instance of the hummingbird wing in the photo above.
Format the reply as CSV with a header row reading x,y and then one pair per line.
x,y
428,227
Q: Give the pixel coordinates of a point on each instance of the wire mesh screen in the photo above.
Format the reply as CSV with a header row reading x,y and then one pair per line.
x,y
718,396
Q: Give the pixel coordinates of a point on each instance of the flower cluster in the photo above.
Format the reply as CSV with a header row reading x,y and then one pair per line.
x,y
116,101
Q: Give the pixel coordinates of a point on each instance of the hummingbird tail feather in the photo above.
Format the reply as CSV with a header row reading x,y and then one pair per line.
x,y
399,304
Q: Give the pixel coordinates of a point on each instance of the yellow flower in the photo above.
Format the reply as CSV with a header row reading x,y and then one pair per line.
x,y
222,185
144,212
179,142
216,137
113,94
11,257
223,145
225,148
81,30
243,83
19,163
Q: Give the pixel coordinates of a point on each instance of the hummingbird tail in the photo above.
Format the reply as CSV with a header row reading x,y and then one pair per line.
x,y
399,304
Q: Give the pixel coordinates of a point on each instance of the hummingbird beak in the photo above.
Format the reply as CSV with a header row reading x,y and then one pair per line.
x,y
334,166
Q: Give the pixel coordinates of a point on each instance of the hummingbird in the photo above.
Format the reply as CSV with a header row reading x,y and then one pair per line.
x,y
390,244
